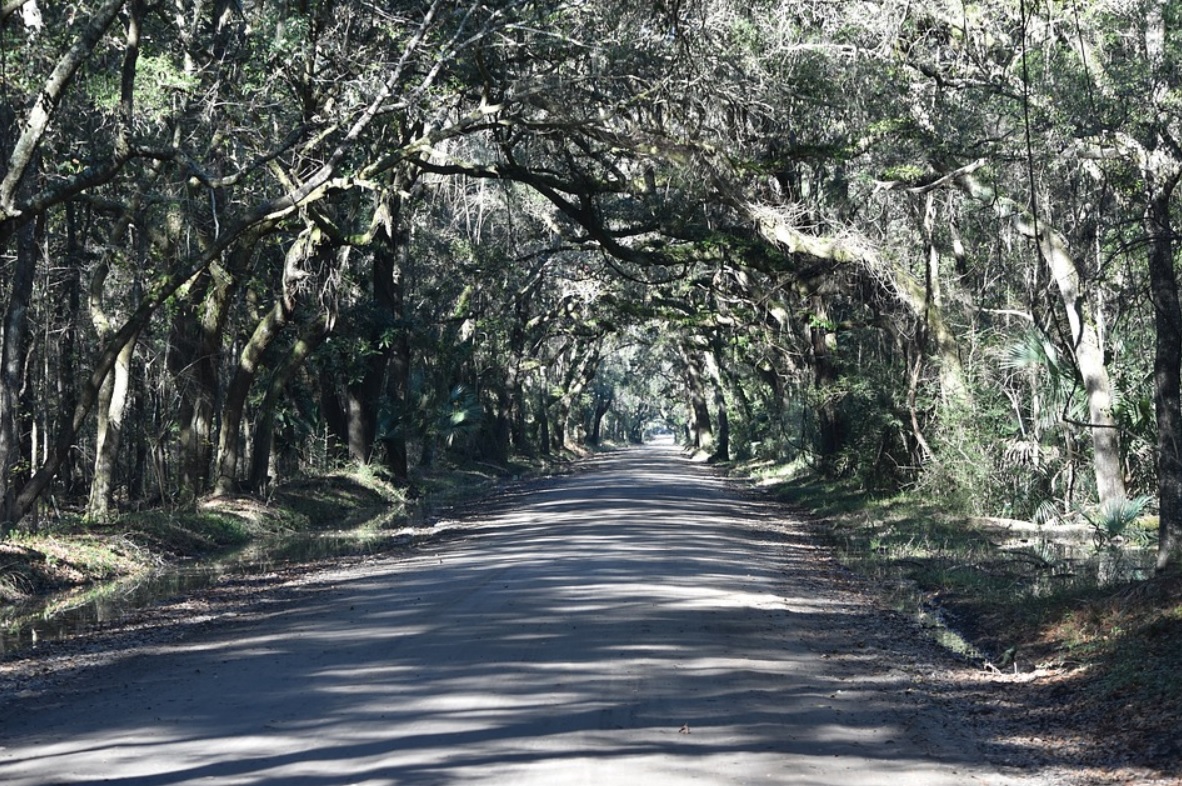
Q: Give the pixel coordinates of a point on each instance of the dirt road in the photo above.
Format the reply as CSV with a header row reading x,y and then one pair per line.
x,y
637,623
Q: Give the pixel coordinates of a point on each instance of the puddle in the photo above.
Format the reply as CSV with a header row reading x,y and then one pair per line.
x,y
63,615
1066,564
1038,564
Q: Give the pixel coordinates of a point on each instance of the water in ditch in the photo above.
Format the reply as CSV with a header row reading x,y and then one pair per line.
x,y
63,615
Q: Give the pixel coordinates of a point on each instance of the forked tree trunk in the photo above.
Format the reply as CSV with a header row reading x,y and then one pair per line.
x,y
265,332
234,408
582,371
195,342
602,405
112,400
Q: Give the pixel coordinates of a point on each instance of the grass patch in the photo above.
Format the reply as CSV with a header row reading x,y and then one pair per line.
x,y
70,552
182,534
41,563
1132,635
1105,651
1110,668
363,503
1003,591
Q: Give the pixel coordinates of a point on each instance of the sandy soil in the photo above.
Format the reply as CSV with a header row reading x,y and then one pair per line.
x,y
639,622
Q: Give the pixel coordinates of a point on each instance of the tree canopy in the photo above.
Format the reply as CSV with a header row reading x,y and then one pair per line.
x,y
916,245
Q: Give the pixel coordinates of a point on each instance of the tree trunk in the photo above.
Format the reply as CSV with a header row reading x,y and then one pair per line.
x,y
304,247
1167,369
194,346
234,407
360,416
1161,170
498,430
603,403
12,353
112,399
582,371
518,338
701,429
713,359
543,424
1089,354
520,435
722,450
1089,359
111,409
335,418
390,269
558,426
954,391
264,433
67,305
397,455
830,429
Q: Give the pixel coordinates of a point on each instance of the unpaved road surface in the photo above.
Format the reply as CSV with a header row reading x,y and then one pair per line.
x,y
636,623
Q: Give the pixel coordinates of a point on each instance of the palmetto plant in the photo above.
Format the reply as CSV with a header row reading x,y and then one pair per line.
x,y
1114,523
458,416
1058,380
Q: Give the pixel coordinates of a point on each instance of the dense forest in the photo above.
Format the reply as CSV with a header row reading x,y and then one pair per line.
x,y
925,245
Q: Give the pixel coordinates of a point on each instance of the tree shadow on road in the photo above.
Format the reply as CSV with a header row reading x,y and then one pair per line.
x,y
638,620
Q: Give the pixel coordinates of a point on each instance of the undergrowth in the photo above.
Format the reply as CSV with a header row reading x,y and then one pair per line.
x,y
1015,596
67,552
1107,649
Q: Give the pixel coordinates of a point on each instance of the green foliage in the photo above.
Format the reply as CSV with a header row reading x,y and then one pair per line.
x,y
290,39
1056,378
1133,411
905,173
964,472
457,416
161,86
1115,523
629,223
